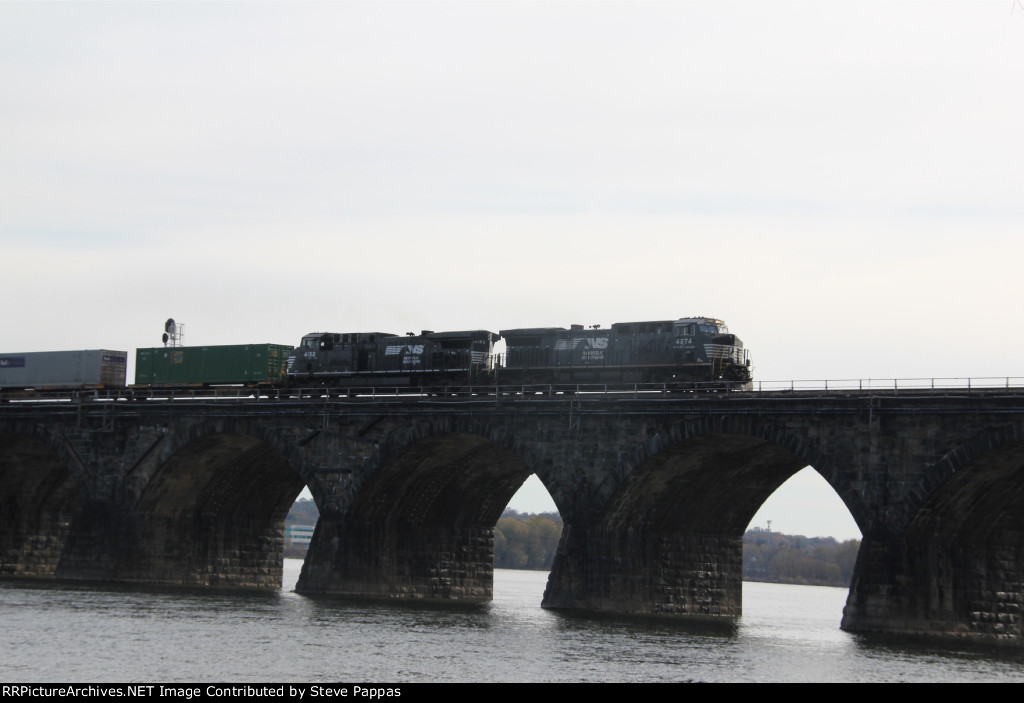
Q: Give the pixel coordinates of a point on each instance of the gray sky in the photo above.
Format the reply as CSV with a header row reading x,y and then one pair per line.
x,y
840,182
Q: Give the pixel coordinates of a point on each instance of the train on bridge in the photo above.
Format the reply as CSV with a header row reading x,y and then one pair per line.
x,y
689,350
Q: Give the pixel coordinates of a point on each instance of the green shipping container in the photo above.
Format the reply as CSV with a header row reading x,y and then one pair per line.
x,y
230,363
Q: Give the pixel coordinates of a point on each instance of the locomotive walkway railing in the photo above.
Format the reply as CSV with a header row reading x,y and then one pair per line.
x,y
645,391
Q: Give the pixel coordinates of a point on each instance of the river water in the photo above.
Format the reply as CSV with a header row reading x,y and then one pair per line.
x,y
77,632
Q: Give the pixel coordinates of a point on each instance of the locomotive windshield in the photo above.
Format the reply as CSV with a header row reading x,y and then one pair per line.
x,y
687,327
318,341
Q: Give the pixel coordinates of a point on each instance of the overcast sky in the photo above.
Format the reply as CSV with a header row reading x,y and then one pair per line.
x,y
841,182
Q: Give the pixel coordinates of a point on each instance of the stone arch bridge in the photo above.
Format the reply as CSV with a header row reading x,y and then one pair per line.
x,y
655,492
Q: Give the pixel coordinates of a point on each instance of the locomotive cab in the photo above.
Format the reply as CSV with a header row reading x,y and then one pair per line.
x,y
333,354
706,342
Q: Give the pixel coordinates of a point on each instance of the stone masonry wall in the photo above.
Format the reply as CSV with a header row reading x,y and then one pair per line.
x,y
404,561
696,575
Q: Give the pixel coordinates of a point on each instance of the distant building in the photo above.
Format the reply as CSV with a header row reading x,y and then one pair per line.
x,y
298,535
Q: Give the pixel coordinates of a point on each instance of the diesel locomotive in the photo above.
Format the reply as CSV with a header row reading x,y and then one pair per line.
x,y
691,349
384,359
663,351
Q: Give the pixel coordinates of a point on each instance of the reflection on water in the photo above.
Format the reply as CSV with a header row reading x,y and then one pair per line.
x,y
88,632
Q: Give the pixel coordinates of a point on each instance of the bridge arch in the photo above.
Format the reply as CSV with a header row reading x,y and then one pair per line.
x,y
421,520
496,436
211,509
172,439
42,491
450,477
756,458
957,567
970,480
667,533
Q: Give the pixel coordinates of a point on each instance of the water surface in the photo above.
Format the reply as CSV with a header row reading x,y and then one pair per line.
x,y
79,632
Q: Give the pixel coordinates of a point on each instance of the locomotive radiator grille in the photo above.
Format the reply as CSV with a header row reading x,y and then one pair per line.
x,y
724,351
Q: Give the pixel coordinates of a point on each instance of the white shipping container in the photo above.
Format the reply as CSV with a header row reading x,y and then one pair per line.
x,y
64,369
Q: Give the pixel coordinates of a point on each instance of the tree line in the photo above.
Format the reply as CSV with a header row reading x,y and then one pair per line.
x,y
525,541
816,561
529,541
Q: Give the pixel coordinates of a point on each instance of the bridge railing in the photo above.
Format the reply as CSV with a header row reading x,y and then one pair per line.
x,y
217,394
893,384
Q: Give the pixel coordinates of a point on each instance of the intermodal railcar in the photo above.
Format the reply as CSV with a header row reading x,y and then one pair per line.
x,y
87,368
218,364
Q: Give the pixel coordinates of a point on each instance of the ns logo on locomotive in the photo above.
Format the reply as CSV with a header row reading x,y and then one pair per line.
x,y
684,351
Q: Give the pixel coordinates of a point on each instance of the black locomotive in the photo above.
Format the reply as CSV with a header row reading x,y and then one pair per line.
x,y
691,349
384,359
688,349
